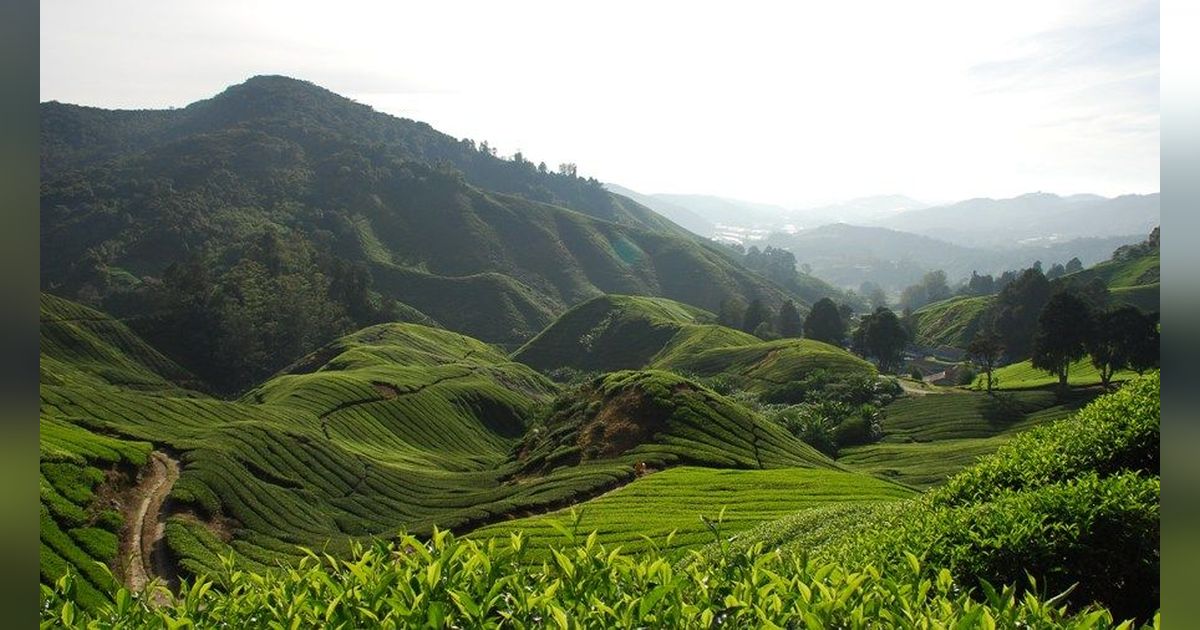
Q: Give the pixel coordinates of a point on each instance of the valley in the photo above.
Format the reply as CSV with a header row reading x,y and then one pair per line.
x,y
307,364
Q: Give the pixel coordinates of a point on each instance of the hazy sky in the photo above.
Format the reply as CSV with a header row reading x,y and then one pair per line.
x,y
767,102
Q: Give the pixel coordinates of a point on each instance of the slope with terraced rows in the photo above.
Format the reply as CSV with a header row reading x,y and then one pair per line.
x,y
615,332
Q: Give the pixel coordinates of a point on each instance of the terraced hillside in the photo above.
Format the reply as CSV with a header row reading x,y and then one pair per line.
x,y
927,438
656,419
403,426
666,510
395,426
615,332
80,344
953,322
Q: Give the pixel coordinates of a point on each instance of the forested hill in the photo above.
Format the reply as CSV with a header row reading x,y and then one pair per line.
x,y
316,120
241,232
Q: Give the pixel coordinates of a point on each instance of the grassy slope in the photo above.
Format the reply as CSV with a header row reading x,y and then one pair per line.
x,y
951,322
623,332
396,426
1023,375
659,419
403,426
676,499
926,439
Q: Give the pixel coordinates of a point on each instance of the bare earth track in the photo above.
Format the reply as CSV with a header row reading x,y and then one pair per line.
x,y
141,540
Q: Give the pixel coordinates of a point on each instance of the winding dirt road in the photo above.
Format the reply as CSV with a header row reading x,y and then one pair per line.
x,y
144,521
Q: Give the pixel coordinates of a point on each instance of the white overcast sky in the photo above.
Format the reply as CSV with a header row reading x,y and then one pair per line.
x,y
761,101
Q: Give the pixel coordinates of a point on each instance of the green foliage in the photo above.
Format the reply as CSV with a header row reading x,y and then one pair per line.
x,y
623,332
882,336
1116,432
953,322
824,323
447,582
1064,328
656,419
665,510
286,225
790,324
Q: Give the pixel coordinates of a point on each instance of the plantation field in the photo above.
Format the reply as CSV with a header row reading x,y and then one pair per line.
x,y
622,332
675,500
926,439
1024,376
951,322
656,419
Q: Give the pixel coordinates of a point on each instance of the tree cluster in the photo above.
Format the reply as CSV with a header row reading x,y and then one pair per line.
x,y
1069,328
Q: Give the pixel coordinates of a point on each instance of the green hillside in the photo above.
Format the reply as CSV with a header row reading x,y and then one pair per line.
x,y
82,344
279,196
928,438
666,509
951,322
399,425
394,426
1023,375
656,419
623,332
1131,271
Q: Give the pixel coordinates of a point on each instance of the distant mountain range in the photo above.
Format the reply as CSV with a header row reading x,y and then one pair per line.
x,y
1031,219
848,255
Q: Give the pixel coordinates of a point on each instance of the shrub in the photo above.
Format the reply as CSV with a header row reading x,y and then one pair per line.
x,y
462,583
1114,433
1098,534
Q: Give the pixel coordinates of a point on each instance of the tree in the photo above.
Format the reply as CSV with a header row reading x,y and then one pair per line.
x,y
882,336
985,350
932,288
1056,271
1016,311
732,312
1074,265
790,324
568,168
1121,338
824,323
981,285
1063,329
756,314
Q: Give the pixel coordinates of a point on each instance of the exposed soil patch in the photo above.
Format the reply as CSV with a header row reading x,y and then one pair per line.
x,y
142,552
626,420
387,391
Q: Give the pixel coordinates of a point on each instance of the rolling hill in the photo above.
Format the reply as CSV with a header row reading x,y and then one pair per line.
x,y
624,332
279,182
394,426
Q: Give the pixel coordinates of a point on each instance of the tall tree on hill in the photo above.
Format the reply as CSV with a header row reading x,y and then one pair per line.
x,y
1015,314
756,314
824,323
881,335
1121,338
1064,327
985,350
790,324
1074,265
732,312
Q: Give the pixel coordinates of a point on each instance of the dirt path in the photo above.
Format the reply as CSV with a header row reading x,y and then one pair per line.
x,y
145,522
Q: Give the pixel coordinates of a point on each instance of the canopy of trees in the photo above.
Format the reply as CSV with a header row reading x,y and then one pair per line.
x,y
825,323
880,335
